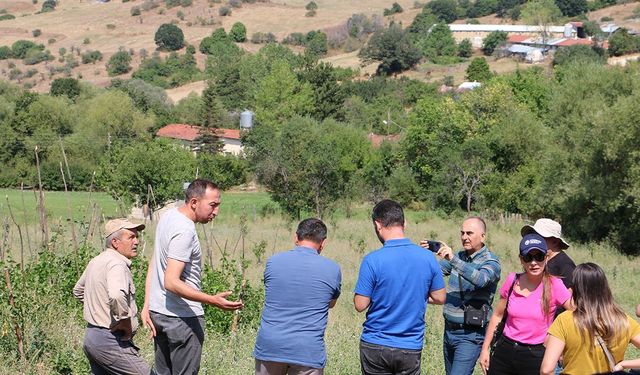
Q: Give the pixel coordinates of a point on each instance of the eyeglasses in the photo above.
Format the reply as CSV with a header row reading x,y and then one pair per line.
x,y
538,257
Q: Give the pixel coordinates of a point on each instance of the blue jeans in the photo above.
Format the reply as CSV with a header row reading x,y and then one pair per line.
x,y
461,349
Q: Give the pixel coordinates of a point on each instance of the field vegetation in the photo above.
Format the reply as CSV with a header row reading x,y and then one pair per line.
x,y
248,230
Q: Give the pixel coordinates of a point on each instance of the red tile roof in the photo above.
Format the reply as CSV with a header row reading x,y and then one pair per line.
x,y
191,132
517,38
377,139
574,42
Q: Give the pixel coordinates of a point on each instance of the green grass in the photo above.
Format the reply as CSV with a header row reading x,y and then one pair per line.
x,y
350,238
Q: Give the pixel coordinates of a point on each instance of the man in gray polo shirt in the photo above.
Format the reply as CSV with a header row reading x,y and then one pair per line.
x,y
107,291
173,302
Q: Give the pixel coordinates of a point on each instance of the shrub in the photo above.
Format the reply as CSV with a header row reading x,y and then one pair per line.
x,y
238,32
171,3
224,11
169,37
310,13
91,57
68,87
135,11
260,37
119,63
36,55
395,8
86,41
294,39
149,4
7,17
478,70
235,3
465,48
493,41
606,19
5,53
20,48
36,33
51,40
186,3
180,15
311,6
111,26
49,5
15,74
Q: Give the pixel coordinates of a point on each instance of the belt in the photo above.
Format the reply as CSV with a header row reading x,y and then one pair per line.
x,y
454,326
515,343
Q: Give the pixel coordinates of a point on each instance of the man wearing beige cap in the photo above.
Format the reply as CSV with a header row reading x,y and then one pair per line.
x,y
558,262
108,294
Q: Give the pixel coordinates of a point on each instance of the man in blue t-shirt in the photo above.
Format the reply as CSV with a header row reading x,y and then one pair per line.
x,y
395,283
300,288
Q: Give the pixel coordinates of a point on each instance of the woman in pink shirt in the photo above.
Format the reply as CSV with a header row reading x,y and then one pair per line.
x,y
528,301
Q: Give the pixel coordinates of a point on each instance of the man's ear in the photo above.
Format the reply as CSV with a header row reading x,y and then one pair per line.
x,y
296,240
377,225
321,244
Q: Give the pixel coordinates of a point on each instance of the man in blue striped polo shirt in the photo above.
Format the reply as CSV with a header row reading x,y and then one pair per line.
x,y
476,271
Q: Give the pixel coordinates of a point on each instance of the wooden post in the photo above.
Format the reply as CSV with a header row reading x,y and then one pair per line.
x,y
24,211
43,216
19,233
73,225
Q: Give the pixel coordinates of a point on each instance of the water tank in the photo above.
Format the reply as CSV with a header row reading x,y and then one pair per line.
x,y
246,119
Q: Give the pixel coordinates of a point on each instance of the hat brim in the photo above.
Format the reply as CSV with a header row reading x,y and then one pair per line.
x,y
528,229
543,251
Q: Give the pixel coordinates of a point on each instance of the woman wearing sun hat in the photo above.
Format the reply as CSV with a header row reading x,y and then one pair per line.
x,y
559,264
529,301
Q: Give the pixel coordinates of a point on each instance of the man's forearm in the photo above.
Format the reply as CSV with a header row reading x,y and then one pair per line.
x,y
181,289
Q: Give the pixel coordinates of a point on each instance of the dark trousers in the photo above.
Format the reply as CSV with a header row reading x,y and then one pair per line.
x,y
385,360
510,357
108,355
178,344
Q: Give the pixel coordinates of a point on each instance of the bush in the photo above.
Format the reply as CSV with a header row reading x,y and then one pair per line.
x,y
294,39
36,55
169,37
238,32
7,17
68,87
111,26
86,41
36,33
224,11
149,4
186,3
49,5
260,37
311,6
573,54
606,19
493,41
465,49
20,48
310,13
91,57
478,70
171,3
119,63
235,3
395,8
51,41
135,11
5,53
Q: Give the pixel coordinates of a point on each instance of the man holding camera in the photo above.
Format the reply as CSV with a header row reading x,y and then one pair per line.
x,y
473,273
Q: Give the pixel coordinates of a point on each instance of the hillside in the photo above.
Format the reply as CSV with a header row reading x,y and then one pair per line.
x,y
108,26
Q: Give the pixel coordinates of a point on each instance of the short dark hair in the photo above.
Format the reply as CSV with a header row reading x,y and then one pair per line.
x,y
388,213
312,230
197,188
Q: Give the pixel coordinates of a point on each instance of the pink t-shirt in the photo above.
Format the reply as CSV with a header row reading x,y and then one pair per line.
x,y
526,322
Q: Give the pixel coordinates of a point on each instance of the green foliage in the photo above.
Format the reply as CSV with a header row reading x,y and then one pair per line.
x,y
36,55
622,43
422,23
492,41
541,13
226,170
572,8
144,96
439,42
175,70
169,37
393,48
328,94
306,165
465,49
395,8
91,57
5,53
444,10
577,54
478,70
224,11
21,47
119,63
68,87
4,17
219,44
311,5
135,11
49,5
238,32
316,43
36,33
127,171
260,37
482,8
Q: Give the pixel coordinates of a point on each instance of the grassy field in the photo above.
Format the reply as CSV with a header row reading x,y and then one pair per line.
x,y
350,238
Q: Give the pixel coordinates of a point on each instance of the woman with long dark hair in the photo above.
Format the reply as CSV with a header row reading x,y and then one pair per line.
x,y
529,301
597,326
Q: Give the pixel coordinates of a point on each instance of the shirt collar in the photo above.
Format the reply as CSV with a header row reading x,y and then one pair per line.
x,y
477,253
119,256
397,242
305,249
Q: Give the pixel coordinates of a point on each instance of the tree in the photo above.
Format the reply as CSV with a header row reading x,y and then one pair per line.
x,y
316,43
422,23
579,54
238,32
622,43
439,42
465,50
328,94
444,10
129,170
572,8
119,63
494,40
226,170
68,87
20,48
541,13
306,165
392,48
169,37
478,70
482,8
280,95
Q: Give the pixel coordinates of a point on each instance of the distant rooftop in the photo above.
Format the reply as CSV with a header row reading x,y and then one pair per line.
x,y
187,132
506,28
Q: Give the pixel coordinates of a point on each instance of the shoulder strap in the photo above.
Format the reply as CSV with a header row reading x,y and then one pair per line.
x,y
607,353
506,308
